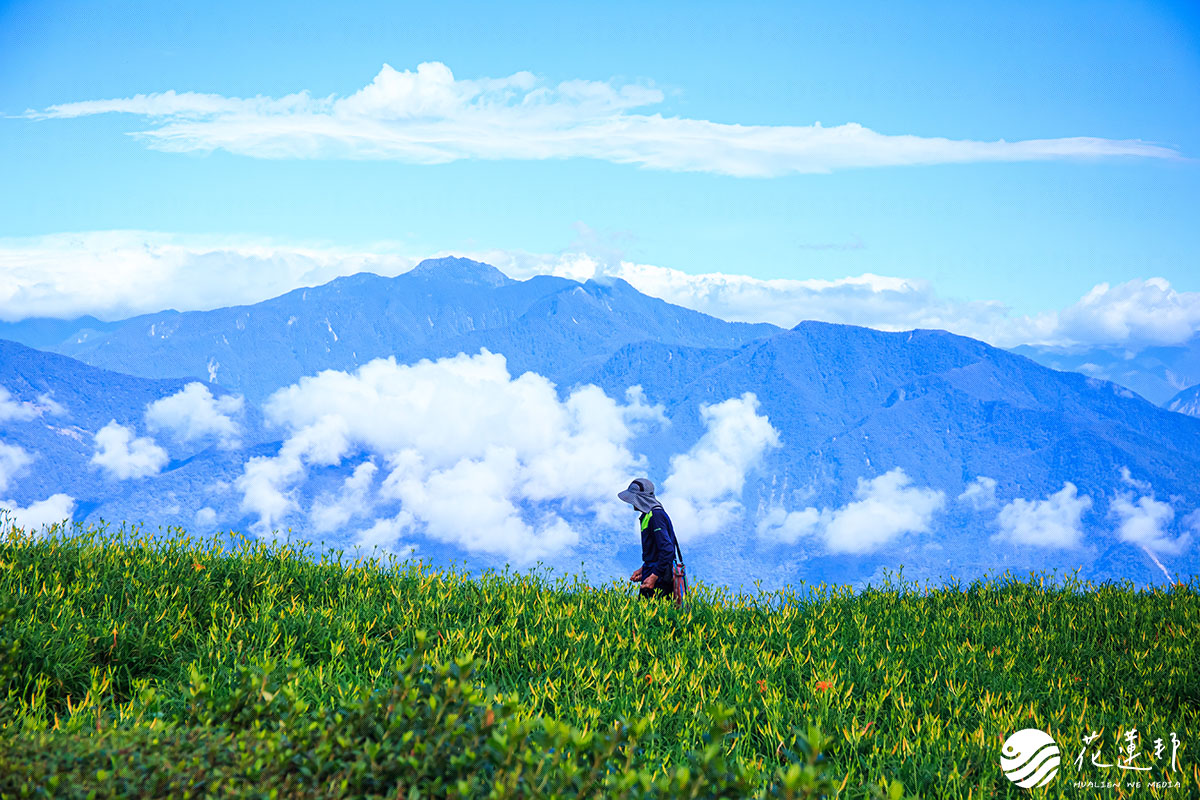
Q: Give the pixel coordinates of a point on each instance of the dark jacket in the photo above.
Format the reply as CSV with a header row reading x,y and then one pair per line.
x,y
658,546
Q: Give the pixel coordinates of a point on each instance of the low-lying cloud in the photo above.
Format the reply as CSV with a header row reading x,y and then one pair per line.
x,y
334,510
1146,520
37,516
980,493
193,414
123,455
122,273
466,447
884,508
704,485
428,116
1056,521
13,461
14,410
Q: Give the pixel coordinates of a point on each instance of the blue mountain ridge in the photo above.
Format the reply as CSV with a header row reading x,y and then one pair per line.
x,y
1185,402
849,403
1156,372
440,308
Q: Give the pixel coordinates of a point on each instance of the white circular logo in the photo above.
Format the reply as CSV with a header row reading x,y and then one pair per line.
x,y
1029,758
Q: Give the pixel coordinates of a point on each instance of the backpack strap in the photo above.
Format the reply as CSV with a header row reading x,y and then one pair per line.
x,y
671,529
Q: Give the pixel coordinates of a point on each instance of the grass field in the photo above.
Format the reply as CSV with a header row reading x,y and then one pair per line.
x,y
912,684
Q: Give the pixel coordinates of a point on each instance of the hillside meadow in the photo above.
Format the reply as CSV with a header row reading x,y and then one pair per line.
x,y
178,666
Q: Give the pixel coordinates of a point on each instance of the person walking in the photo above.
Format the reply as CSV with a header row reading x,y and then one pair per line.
x,y
656,574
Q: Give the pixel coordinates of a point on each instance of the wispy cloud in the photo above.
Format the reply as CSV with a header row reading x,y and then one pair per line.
x,y
428,116
14,410
980,493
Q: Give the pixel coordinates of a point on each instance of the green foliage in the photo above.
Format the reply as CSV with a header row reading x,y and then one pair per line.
x,y
434,733
131,666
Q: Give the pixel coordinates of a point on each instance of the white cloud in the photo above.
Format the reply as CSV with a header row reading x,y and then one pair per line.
x,y
193,413
34,518
382,539
980,493
1134,314
788,527
1145,522
1139,312
884,508
430,117
468,449
703,488
13,460
1053,522
206,518
335,510
1128,479
123,456
14,410
120,273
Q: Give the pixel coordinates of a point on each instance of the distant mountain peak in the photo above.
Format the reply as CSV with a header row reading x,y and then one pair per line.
x,y
1186,402
463,270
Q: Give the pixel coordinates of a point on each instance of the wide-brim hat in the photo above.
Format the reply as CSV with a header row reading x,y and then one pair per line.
x,y
642,487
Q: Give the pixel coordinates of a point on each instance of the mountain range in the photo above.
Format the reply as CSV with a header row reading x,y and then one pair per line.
x,y
919,448
1157,373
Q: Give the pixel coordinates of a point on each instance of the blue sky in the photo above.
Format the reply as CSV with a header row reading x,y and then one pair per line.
x,y
1034,235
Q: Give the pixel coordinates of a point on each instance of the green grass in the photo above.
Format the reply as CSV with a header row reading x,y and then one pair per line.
x,y
916,684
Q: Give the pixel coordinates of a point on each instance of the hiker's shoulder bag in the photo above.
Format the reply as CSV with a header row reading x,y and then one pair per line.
x,y
679,574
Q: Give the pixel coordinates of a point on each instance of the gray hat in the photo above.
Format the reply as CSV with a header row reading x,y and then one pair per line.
x,y
640,495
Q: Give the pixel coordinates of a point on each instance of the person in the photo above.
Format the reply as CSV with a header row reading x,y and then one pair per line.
x,y
658,540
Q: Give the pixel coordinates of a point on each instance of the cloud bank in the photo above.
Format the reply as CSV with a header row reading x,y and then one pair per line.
x,y
467,450
883,509
123,456
1134,314
121,273
428,116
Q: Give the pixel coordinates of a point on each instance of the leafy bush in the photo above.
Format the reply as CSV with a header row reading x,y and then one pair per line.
x,y
434,733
